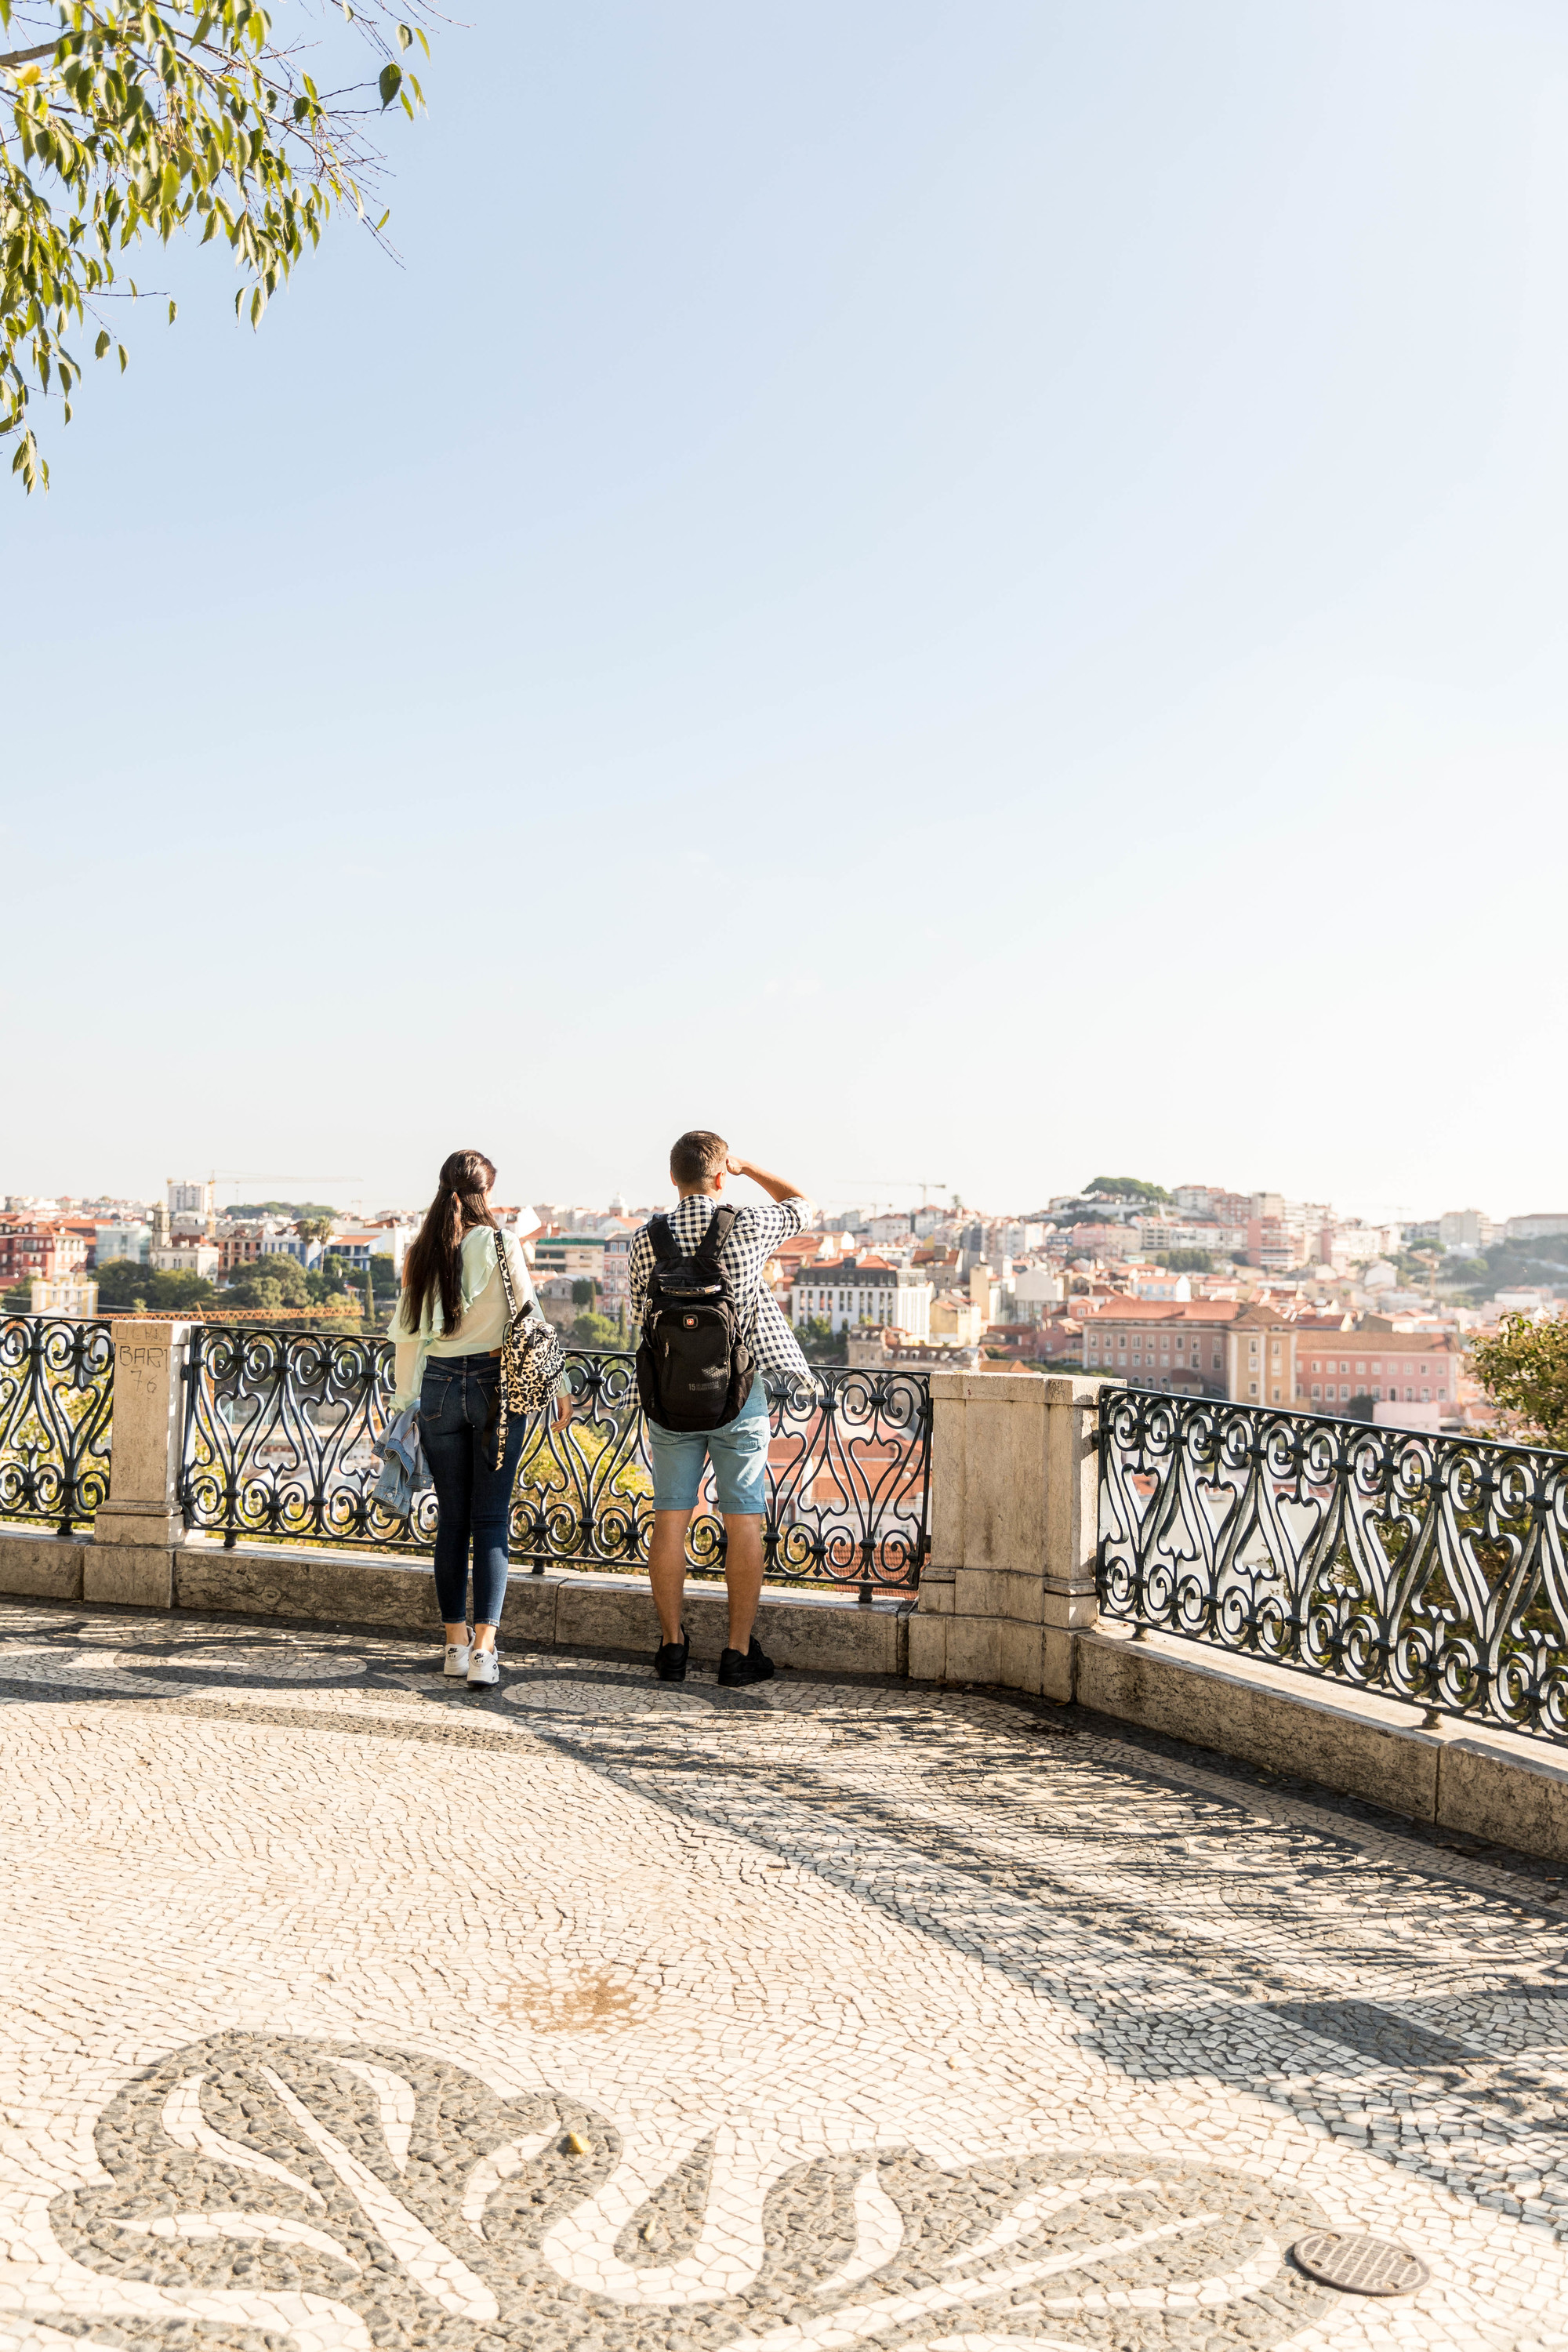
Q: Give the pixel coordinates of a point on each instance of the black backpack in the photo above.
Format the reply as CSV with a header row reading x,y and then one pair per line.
x,y
694,1370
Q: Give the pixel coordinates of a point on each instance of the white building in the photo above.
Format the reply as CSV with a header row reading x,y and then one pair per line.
x,y
1036,1290
1544,1225
1206,1234
287,1243
187,1255
614,1279
849,1296
1356,1243
191,1193
356,1245
71,1294
127,1241
1466,1229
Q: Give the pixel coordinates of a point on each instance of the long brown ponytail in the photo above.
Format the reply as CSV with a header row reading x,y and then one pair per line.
x,y
435,1257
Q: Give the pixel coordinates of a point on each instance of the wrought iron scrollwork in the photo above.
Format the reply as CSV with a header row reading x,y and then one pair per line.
x,y
55,1394
279,1426
1425,1568
279,1430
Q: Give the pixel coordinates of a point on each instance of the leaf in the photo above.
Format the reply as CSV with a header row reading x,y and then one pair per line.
x,y
172,314
383,221
405,36
124,358
101,345
390,83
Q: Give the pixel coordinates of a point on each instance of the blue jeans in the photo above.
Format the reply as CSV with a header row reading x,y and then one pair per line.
x,y
457,1407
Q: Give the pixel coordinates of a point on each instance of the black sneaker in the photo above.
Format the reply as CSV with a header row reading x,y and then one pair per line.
x,y
735,1670
669,1659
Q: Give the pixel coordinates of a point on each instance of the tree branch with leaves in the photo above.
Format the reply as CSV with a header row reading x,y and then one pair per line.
x,y
144,121
1524,1369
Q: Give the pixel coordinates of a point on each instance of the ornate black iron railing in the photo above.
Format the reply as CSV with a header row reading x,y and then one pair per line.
x,y
278,1428
1424,1568
55,1385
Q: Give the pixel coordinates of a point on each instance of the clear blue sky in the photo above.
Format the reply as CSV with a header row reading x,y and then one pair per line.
x,y
965,593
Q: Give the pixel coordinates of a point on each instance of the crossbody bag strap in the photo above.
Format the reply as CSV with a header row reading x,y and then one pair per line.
x,y
510,1318
502,1261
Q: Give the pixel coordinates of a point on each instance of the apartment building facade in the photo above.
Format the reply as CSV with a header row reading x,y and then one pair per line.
x,y
39,1249
1391,1367
863,1293
1180,1345
1252,1355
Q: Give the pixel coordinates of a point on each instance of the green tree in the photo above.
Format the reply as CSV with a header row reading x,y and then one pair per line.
x,y
1190,1261
594,1331
1128,1188
130,117
121,1282
583,1291
259,1294
175,1293
124,1286
819,1343
294,1210
270,1284
1523,1371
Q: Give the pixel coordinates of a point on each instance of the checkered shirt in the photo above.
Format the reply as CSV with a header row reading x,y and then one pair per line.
x,y
754,1237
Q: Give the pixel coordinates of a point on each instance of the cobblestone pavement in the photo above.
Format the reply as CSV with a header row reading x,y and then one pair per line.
x,y
340,2007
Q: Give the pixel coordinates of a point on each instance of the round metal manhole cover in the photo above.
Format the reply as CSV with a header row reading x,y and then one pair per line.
x,y
1358,2264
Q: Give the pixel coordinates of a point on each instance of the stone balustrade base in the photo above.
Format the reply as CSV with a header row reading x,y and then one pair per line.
x,y
1486,1783
816,1630
1483,1783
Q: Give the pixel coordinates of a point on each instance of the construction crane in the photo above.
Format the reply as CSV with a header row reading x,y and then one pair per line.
x,y
926,1185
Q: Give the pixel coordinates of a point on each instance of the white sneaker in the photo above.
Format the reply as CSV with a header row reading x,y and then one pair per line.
x,y
482,1669
457,1663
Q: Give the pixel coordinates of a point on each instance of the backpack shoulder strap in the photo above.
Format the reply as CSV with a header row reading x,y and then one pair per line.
x,y
720,1226
666,1249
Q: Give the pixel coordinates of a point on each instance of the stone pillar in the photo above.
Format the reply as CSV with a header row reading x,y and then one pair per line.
x,y
130,1557
1011,1575
1070,1599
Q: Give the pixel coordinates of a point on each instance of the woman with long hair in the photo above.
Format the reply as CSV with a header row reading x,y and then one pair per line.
x,y
447,1331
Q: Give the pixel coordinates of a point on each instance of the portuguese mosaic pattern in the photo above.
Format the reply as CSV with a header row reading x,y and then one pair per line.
x,y
340,2008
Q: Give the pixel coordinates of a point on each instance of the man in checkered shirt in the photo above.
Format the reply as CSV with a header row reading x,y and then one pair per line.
x,y
700,1164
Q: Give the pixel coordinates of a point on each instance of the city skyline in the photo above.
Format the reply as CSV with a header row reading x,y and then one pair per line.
x,y
368,1201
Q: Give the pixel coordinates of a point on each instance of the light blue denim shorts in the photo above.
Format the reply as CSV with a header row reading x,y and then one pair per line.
x,y
738,1453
